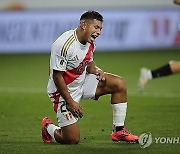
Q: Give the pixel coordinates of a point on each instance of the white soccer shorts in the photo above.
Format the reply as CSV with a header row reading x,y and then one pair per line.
x,y
64,116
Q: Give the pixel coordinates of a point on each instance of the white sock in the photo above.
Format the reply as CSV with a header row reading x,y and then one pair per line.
x,y
119,113
51,128
149,74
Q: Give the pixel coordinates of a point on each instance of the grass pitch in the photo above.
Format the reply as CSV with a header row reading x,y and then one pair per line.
x,y
24,102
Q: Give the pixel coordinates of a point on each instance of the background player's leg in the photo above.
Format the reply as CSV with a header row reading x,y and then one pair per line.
x,y
168,69
175,66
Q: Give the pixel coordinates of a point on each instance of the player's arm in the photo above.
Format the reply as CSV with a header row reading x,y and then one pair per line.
x,y
177,2
93,69
74,107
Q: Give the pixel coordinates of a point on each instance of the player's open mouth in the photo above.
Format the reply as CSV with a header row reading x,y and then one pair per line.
x,y
94,37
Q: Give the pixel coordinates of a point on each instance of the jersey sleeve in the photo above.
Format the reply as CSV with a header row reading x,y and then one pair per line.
x,y
58,61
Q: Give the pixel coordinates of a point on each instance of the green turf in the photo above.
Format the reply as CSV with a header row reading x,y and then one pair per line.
x,y
23,103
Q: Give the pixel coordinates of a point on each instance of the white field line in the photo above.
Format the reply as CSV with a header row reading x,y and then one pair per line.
x,y
130,93
22,90
155,94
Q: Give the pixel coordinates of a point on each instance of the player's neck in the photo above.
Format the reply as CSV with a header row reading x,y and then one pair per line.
x,y
80,35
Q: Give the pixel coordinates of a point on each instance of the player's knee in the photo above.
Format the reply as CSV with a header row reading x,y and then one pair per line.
x,y
175,66
175,63
119,84
68,141
172,62
72,141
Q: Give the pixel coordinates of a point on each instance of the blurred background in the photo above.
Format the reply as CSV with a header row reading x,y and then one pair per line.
x,y
32,26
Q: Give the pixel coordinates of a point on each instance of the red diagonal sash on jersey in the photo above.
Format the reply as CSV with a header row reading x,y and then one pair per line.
x,y
70,75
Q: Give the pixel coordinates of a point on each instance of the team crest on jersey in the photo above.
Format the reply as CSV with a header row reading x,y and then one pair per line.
x,y
80,69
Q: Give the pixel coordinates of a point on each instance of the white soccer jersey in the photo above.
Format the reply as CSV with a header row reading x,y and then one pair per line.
x,y
72,57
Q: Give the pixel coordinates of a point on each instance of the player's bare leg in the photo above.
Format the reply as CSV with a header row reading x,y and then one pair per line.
x,y
175,66
113,85
68,134
116,86
65,135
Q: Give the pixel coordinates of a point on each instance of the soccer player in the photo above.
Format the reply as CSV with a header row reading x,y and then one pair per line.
x,y
75,76
146,75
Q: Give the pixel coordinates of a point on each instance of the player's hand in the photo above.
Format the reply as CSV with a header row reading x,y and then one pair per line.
x,y
76,109
100,75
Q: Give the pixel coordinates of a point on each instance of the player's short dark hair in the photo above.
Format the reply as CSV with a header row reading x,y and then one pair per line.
x,y
91,15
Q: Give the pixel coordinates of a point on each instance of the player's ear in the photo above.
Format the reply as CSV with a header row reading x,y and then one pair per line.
x,y
83,24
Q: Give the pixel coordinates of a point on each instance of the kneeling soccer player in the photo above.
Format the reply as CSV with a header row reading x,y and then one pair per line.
x,y
75,76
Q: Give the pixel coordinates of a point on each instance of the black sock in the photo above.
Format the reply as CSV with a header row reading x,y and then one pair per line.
x,y
119,128
161,71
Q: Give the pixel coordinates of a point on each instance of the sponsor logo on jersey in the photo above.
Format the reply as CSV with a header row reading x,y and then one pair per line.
x,y
75,58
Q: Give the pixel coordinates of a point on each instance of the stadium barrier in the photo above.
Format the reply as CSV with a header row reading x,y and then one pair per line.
x,y
35,31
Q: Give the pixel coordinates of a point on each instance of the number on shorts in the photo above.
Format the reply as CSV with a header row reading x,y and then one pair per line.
x,y
63,107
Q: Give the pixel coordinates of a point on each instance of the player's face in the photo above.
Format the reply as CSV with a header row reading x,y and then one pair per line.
x,y
92,30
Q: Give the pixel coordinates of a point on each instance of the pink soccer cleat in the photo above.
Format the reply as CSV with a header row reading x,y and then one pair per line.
x,y
124,135
45,135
